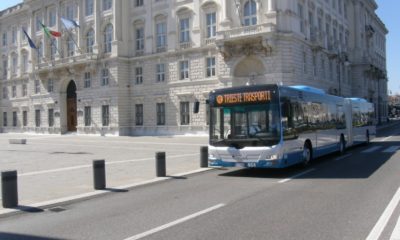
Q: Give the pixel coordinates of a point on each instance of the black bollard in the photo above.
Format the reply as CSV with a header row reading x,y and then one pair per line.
x,y
203,157
99,174
9,189
160,164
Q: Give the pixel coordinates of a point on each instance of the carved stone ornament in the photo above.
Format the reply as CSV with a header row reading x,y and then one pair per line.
x,y
261,46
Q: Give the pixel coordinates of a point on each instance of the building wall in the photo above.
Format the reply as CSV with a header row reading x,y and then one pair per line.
x,y
304,42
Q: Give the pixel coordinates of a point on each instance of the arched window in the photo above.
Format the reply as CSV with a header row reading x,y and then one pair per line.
x,y
108,38
89,41
250,13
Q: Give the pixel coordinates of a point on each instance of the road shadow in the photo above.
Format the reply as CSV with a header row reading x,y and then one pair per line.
x,y
358,165
28,209
116,190
16,236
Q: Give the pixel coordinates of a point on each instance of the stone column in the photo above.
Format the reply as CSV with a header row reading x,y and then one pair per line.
x,y
226,21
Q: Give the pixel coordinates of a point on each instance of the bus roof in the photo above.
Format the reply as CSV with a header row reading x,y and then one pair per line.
x,y
358,99
308,89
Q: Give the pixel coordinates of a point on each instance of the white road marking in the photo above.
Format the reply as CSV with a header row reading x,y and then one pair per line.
x,y
396,232
371,149
391,149
295,176
89,165
176,222
343,157
384,219
386,138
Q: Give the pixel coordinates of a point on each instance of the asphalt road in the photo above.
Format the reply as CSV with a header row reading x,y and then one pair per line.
x,y
354,196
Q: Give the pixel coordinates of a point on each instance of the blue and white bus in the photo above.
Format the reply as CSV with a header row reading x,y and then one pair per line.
x,y
271,126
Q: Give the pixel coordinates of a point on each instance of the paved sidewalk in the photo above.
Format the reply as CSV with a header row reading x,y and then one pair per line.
x,y
54,166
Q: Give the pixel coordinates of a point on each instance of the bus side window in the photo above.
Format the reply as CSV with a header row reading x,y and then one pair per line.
x,y
287,114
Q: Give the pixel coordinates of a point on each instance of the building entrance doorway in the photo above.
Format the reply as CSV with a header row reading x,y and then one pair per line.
x,y
72,118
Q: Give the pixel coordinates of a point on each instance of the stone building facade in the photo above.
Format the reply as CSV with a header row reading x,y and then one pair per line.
x,y
136,67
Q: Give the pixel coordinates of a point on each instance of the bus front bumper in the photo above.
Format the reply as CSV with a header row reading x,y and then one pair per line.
x,y
258,164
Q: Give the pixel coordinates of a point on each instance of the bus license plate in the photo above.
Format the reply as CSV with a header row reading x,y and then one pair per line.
x,y
252,165
239,164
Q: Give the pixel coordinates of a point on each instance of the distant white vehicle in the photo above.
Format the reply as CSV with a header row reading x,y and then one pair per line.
x,y
271,126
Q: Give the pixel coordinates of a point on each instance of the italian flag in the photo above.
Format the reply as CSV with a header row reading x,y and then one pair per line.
x,y
49,32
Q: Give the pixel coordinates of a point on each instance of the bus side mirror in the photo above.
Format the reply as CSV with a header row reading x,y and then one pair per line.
x,y
196,107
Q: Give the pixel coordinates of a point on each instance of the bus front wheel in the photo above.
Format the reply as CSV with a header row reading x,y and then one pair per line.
x,y
307,154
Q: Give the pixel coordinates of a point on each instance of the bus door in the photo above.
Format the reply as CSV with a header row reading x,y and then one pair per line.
x,y
340,122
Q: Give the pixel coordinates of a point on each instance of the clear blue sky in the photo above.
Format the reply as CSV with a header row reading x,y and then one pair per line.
x,y
388,11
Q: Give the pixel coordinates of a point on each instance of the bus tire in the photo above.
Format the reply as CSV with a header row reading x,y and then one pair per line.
x,y
307,154
342,145
367,138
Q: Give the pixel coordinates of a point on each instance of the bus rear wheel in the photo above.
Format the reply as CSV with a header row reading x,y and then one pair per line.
x,y
307,154
342,145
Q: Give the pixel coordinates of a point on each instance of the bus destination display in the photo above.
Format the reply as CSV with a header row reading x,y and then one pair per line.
x,y
243,98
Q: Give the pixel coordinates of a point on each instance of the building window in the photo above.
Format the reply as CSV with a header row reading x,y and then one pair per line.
x,y
70,47
24,90
51,117
50,85
4,119
14,36
53,50
250,13
24,118
89,41
4,39
140,39
37,117
105,75
5,92
184,110
14,91
14,64
314,59
160,108
301,17
139,75
161,33
107,5
24,63
211,21
331,70
108,38
139,114
184,30
161,72
15,119
184,70
138,3
105,115
304,62
52,18
87,80
88,116
210,66
5,67
69,11
37,86
38,22
323,67
40,52
88,7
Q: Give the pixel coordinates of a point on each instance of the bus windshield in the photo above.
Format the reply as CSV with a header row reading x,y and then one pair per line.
x,y
245,125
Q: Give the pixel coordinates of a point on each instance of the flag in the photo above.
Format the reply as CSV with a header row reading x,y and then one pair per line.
x,y
69,23
49,32
31,44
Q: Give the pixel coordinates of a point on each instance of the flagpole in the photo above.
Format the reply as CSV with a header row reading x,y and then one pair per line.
x,y
69,34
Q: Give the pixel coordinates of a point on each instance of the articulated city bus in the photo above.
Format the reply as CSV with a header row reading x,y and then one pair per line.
x,y
271,126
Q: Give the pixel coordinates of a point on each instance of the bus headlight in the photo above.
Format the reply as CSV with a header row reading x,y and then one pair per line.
x,y
272,157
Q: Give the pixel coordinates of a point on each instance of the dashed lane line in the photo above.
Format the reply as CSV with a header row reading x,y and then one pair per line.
x,y
384,218
296,176
371,149
176,222
391,149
